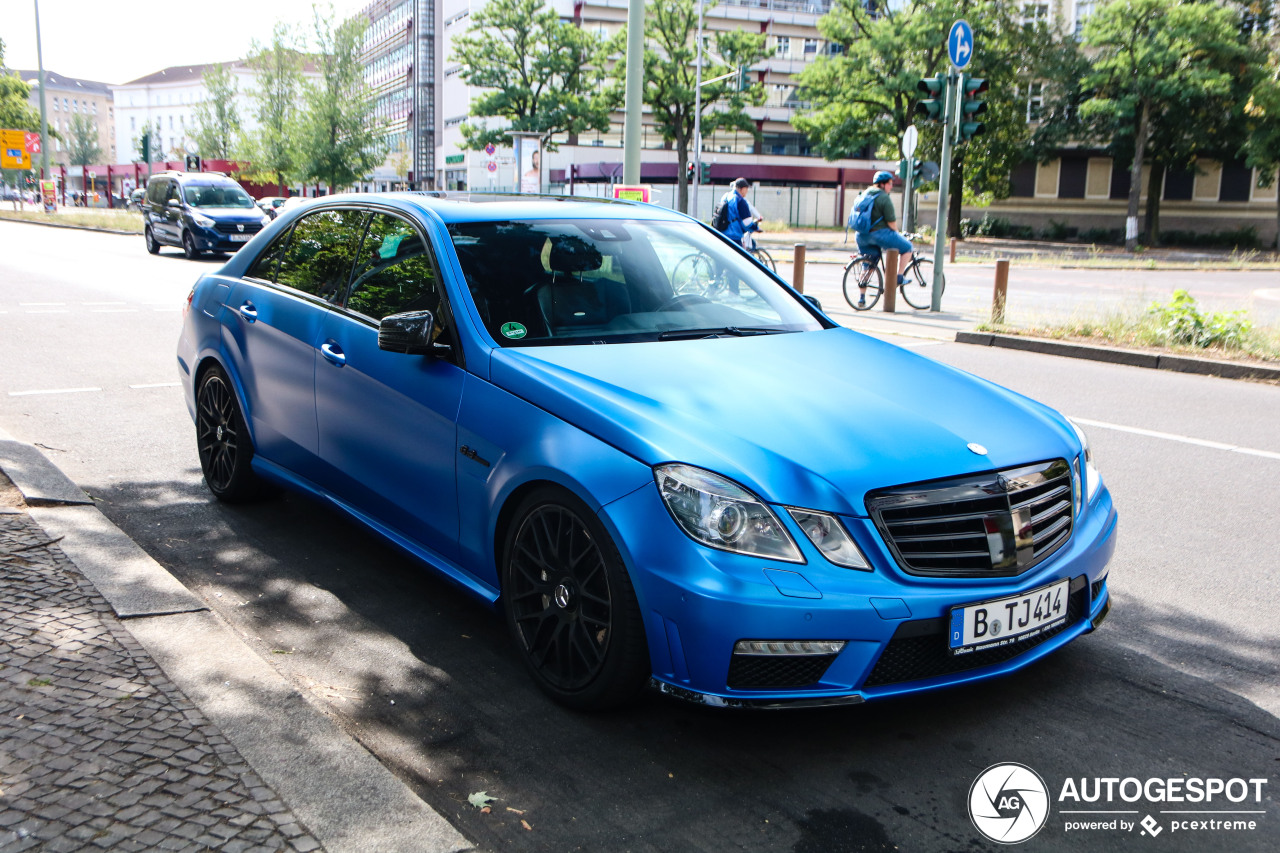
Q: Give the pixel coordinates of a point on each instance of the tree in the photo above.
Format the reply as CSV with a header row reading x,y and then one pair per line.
x,y
670,81
82,142
1261,148
269,151
217,119
341,140
15,108
542,75
1162,73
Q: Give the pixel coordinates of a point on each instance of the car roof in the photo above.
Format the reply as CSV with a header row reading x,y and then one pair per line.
x,y
500,207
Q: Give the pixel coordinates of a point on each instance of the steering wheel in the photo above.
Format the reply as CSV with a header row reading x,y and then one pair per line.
x,y
682,300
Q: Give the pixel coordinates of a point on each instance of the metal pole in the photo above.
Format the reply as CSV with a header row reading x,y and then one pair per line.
x,y
1000,295
797,268
944,185
44,121
909,194
890,281
634,103
697,123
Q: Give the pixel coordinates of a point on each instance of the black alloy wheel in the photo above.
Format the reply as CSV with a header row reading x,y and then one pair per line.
x,y
152,246
222,440
189,246
570,605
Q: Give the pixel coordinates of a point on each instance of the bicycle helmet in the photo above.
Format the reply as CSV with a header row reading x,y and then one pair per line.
x,y
882,176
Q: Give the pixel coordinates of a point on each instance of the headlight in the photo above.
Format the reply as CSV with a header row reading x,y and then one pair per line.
x,y
202,221
828,534
721,514
1092,479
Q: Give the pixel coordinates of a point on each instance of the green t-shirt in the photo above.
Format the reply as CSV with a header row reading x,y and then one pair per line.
x,y
882,211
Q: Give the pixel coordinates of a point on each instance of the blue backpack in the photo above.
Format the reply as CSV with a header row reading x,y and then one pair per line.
x,y
860,219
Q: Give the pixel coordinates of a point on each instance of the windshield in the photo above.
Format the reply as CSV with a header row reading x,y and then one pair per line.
x,y
222,195
566,282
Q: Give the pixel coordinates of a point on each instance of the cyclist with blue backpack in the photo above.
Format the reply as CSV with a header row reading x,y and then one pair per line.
x,y
875,225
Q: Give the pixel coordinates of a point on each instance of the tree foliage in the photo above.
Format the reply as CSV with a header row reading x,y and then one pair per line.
x,y
1261,111
670,79
82,141
340,139
217,119
269,151
16,112
542,75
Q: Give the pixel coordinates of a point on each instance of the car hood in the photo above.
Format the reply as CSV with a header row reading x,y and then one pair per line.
x,y
231,214
813,419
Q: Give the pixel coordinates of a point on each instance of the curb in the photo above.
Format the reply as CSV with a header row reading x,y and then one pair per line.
x,y
349,801
73,227
1132,358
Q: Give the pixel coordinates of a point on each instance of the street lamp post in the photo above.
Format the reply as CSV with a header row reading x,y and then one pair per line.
x,y
44,122
697,123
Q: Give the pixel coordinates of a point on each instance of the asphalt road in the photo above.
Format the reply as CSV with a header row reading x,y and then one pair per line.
x,y
1182,680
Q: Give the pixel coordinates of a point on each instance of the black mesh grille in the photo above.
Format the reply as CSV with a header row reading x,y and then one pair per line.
x,y
1000,523
234,227
1096,589
751,671
919,649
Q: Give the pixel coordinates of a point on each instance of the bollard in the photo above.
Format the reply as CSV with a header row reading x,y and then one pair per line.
x,y
1001,291
890,280
797,268
952,257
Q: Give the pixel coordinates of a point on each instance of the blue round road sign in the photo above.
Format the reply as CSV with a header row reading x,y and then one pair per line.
x,y
960,43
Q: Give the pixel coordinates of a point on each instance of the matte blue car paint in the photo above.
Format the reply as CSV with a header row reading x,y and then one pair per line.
x,y
594,419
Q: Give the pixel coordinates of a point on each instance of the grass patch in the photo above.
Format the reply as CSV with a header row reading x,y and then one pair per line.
x,y
113,220
1178,326
40,682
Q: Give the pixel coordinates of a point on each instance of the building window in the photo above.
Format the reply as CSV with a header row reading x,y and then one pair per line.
x,y
1035,101
133,122
783,47
1035,13
75,105
810,47
1084,8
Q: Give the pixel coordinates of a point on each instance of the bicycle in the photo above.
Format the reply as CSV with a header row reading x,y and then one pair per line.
x,y
762,256
916,287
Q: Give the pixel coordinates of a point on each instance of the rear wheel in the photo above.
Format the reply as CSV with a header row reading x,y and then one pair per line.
x,y
764,258
189,246
863,284
917,285
693,274
152,246
569,604
226,453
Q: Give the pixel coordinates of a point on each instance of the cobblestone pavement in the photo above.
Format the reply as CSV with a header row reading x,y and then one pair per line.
x,y
98,749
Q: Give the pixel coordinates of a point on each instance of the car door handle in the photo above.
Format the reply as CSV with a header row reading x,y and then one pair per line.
x,y
249,312
333,353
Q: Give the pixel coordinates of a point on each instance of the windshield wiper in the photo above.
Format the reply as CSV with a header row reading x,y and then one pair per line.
x,y
718,332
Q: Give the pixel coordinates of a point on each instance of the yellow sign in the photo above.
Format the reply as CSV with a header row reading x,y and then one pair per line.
x,y
631,193
13,150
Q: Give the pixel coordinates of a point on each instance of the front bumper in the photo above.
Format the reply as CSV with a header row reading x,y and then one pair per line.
x,y
212,240
698,602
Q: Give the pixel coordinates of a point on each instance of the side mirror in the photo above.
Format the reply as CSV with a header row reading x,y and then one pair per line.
x,y
173,202
409,333
812,300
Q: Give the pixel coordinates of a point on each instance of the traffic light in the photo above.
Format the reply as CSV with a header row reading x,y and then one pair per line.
x,y
689,172
935,91
193,162
743,83
146,146
705,178
971,106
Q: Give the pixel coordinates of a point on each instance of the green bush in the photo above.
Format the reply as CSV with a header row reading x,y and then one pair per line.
x,y
1245,237
1182,322
1112,236
1059,231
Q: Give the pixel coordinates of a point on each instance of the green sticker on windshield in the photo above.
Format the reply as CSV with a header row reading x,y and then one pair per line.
x,y
515,331
390,244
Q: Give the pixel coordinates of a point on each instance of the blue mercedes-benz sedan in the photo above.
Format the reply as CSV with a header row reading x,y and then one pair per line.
x,y
658,461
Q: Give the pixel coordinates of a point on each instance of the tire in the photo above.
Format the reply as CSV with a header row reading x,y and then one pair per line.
x,y
152,246
917,287
854,273
569,604
226,452
765,259
693,274
189,246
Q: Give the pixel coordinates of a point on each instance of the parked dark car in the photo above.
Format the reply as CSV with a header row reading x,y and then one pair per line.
x,y
199,212
659,462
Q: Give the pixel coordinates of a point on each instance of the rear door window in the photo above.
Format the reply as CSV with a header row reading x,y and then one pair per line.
x,y
322,252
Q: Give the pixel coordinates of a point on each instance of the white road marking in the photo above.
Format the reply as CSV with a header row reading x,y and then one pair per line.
x,y
114,311
167,310
50,311
104,303
1271,293
51,391
39,304
159,385
1184,439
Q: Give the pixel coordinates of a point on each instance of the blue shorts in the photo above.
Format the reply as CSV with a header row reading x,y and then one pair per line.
x,y
884,238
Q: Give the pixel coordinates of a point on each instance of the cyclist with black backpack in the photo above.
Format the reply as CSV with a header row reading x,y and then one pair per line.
x,y
875,225
734,216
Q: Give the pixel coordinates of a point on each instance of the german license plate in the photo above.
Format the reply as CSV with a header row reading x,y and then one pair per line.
x,y
1001,621
240,238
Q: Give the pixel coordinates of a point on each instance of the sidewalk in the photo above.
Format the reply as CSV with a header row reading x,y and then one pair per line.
x,y
132,718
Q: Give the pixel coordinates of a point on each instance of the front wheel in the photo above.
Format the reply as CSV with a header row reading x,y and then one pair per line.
x,y
569,604
189,246
917,284
765,259
863,284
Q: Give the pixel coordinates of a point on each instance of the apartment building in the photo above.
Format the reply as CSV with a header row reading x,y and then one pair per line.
x,y
65,99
